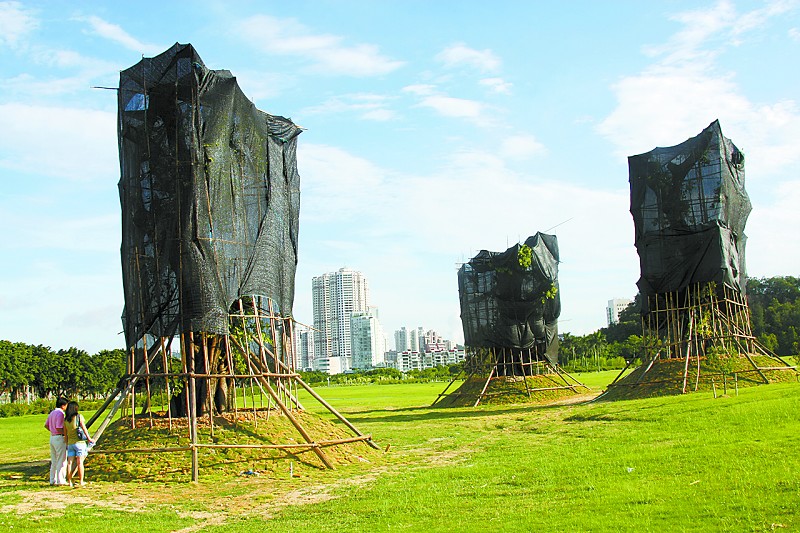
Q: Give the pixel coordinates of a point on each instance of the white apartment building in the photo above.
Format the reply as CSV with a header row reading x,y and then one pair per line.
x,y
614,308
335,296
433,342
402,339
421,360
367,341
303,347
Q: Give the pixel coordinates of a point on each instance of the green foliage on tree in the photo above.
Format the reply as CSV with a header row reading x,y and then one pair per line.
x,y
629,323
775,311
29,372
524,256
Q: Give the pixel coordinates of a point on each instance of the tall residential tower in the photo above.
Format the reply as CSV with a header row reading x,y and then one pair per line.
x,y
336,295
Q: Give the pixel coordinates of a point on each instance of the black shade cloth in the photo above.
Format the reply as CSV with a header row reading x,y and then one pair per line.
x,y
210,197
689,207
507,305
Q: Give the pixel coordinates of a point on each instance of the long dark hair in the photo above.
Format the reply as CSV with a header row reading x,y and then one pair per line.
x,y
72,410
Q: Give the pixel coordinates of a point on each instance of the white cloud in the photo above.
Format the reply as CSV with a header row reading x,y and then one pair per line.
x,y
116,34
773,244
260,85
53,232
521,147
379,115
420,89
17,22
69,73
325,52
83,308
680,94
459,54
794,33
65,143
453,107
684,47
333,177
366,106
497,85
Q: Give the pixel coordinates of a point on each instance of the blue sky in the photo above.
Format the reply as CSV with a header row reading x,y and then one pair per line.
x,y
434,130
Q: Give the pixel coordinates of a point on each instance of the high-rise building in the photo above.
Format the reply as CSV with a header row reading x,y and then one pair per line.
x,y
614,308
433,342
303,347
418,340
402,339
336,295
367,341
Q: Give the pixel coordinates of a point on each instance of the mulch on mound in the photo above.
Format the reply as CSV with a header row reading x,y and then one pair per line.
x,y
504,390
264,427
665,377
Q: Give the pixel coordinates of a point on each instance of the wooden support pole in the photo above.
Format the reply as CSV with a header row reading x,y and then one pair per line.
x,y
333,411
296,423
193,409
485,385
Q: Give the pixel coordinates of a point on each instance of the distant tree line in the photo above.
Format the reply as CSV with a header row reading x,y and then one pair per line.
x,y
775,311
30,372
775,314
383,376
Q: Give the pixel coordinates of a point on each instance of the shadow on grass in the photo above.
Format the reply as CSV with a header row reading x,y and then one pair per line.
x,y
417,414
26,471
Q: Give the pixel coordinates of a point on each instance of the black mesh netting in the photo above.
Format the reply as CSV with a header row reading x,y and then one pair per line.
x,y
210,197
689,208
507,304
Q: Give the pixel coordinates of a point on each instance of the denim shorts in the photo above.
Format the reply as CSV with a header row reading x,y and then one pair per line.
x,y
79,449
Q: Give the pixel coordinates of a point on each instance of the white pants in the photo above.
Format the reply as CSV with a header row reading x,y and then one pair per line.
x,y
58,460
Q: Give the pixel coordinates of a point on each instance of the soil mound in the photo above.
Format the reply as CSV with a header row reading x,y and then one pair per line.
x,y
158,449
503,390
666,377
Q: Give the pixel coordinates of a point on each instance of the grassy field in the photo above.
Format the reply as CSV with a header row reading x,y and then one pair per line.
x,y
679,463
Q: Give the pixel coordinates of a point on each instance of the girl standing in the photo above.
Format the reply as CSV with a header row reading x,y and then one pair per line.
x,y
77,448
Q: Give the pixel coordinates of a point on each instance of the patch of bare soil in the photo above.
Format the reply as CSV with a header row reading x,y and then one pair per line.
x,y
578,398
60,498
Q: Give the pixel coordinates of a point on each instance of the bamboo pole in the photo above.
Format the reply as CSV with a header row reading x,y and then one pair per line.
x,y
193,411
245,352
256,363
290,446
333,411
207,363
485,386
444,392
166,363
229,357
147,381
110,399
296,423
688,355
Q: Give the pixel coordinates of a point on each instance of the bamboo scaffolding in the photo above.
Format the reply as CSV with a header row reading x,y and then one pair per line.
x,y
674,320
300,445
266,341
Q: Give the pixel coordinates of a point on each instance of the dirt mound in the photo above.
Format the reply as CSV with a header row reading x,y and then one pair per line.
x,y
163,453
543,388
665,377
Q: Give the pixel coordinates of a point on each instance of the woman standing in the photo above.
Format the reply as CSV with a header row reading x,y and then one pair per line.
x,y
77,447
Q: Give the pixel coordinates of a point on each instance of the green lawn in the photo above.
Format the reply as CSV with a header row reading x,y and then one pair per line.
x,y
679,463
